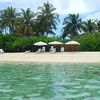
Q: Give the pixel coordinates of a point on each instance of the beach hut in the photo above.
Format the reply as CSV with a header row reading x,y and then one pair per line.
x,y
40,43
72,46
41,46
55,43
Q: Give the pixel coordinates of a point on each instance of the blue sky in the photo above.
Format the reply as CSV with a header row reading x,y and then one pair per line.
x,y
86,8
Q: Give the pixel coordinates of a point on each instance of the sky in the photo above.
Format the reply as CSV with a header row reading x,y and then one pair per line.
x,y
86,8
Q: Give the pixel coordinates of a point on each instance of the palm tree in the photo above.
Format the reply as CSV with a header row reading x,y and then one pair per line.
x,y
8,19
47,19
98,25
71,25
1,27
25,25
89,26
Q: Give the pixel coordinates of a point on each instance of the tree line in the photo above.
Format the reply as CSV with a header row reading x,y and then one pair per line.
x,y
73,26
43,22
27,22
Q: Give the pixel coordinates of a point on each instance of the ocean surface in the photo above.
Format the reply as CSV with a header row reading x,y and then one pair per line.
x,y
56,81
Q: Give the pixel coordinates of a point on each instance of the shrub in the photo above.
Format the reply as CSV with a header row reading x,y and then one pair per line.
x,y
89,42
19,44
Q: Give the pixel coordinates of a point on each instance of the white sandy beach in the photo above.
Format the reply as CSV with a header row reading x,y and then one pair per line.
x,y
78,57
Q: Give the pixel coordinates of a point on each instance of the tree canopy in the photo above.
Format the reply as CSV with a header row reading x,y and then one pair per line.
x,y
26,22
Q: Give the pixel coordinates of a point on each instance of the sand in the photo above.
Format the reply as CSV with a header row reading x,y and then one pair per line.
x,y
72,57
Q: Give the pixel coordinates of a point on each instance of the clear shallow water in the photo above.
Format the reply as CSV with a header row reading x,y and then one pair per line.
x,y
49,81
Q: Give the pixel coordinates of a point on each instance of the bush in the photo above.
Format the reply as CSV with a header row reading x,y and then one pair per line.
x,y
19,44
89,42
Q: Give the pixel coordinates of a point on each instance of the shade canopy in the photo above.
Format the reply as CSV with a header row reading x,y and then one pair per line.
x,y
55,43
40,43
72,43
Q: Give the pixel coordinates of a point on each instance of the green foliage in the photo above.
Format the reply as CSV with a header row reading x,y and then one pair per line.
x,y
89,42
28,23
25,24
89,26
47,19
26,27
72,25
19,44
8,18
1,40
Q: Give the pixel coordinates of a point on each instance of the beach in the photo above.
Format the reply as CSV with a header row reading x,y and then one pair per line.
x,y
61,57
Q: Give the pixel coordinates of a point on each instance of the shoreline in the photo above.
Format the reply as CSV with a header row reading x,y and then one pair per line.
x,y
59,57
58,63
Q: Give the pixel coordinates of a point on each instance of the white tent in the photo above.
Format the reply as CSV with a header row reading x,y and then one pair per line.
x,y
40,43
55,43
72,43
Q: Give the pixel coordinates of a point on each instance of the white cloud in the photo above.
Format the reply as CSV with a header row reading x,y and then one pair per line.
x,y
94,16
60,6
33,4
5,0
70,6
63,7
77,6
93,4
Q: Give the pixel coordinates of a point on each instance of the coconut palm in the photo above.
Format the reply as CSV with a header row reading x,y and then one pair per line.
x,y
8,19
1,27
71,25
47,19
89,26
25,23
98,25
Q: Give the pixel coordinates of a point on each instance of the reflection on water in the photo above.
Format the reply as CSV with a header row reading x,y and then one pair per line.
x,y
49,81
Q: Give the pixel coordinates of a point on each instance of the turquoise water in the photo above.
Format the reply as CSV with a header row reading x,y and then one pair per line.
x,y
49,81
